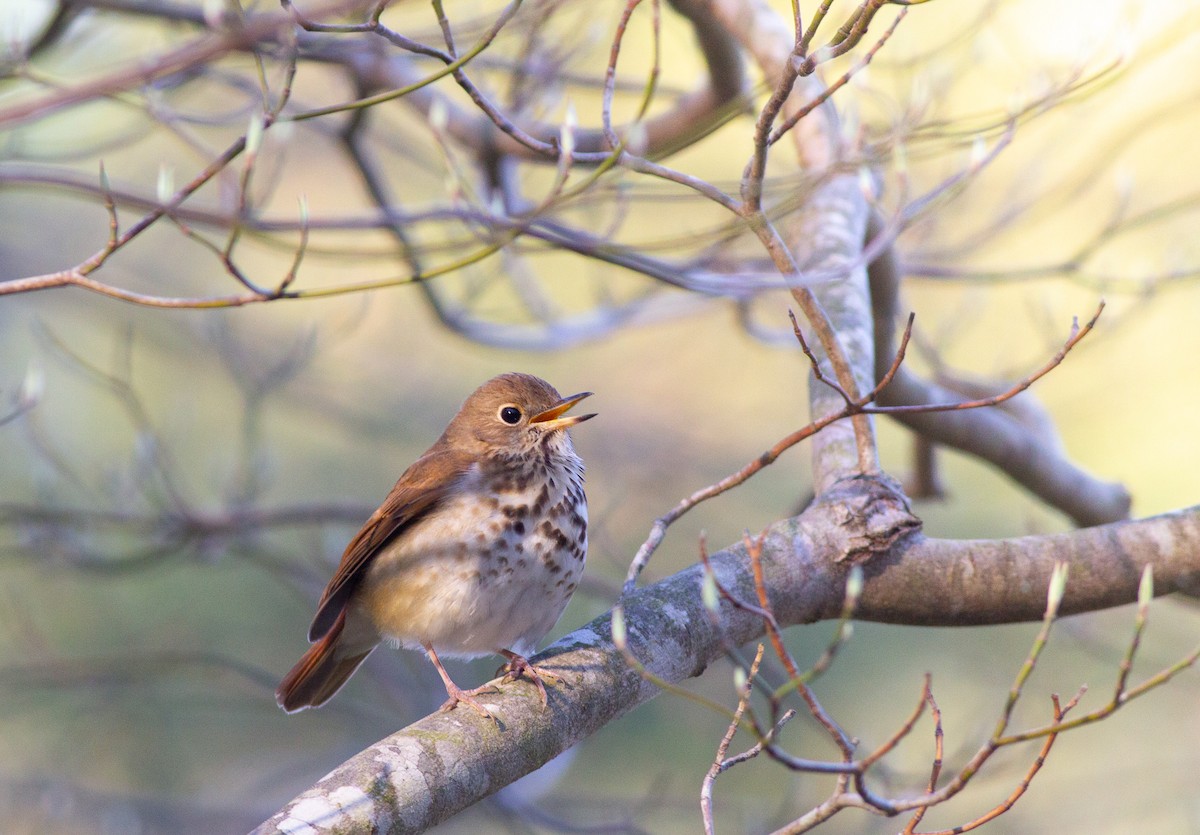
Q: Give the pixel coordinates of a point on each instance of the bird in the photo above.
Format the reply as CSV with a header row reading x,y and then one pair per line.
x,y
475,551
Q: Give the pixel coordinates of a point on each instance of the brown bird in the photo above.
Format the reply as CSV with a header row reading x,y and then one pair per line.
x,y
476,550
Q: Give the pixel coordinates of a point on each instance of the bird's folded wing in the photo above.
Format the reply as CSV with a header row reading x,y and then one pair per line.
x,y
422,488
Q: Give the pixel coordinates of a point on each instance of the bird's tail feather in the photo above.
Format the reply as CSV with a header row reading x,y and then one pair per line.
x,y
322,671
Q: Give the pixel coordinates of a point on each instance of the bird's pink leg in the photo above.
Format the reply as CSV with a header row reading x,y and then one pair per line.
x,y
457,694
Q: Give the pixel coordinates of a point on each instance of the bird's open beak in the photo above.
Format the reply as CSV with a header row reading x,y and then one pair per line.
x,y
551,420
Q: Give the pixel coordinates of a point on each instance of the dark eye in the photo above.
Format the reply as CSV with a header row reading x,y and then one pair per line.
x,y
510,415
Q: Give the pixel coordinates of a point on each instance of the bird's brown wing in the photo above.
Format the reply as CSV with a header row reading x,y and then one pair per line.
x,y
422,488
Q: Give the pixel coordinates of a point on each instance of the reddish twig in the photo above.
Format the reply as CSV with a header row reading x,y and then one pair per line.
x,y
754,552
734,600
939,753
1077,335
999,809
905,728
839,736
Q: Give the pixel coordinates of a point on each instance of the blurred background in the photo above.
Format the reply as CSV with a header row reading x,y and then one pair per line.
x,y
175,500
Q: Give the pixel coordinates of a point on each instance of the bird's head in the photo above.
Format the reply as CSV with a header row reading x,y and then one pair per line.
x,y
514,415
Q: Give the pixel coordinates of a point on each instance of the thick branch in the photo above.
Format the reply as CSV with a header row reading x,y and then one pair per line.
x,y
448,761
825,237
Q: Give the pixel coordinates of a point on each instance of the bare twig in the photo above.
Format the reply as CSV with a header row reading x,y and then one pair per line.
x,y
863,797
794,118
860,405
815,708
720,763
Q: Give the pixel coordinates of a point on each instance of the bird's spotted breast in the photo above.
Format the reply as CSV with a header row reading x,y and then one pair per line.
x,y
519,539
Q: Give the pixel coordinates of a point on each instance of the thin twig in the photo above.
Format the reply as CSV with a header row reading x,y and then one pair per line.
x,y
827,92
852,407
720,764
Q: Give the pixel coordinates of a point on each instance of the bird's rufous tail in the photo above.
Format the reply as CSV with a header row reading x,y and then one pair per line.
x,y
322,670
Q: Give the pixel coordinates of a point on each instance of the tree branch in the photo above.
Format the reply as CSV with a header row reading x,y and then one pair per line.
x,y
425,773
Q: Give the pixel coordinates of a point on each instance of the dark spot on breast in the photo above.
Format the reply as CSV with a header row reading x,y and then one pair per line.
x,y
543,499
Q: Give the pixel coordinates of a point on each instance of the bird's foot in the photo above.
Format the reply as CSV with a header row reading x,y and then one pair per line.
x,y
518,665
457,694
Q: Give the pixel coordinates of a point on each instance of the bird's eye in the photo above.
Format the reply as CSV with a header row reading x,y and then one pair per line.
x,y
510,415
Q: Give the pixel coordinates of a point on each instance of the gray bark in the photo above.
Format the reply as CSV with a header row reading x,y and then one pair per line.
x,y
438,766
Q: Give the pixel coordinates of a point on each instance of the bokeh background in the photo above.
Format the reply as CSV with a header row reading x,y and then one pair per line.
x,y
138,654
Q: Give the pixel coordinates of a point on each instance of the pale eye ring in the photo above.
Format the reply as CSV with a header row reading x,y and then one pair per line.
x,y
510,415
